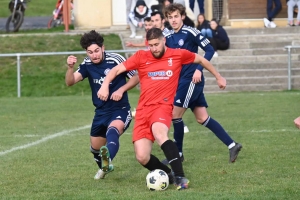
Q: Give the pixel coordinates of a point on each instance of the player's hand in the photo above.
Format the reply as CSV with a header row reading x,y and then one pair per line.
x,y
140,24
103,93
197,76
297,122
71,60
128,44
117,95
221,82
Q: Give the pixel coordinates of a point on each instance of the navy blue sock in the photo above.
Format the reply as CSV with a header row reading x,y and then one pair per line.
x,y
218,130
112,141
178,132
97,158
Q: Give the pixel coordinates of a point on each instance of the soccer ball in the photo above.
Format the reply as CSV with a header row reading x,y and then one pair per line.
x,y
157,180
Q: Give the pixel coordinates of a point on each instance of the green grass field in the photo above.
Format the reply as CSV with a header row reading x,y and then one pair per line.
x,y
44,151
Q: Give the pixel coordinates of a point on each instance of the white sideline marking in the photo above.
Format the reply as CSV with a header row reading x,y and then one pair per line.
x,y
43,140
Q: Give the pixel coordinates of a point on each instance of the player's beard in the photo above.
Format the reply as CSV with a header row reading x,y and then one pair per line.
x,y
159,54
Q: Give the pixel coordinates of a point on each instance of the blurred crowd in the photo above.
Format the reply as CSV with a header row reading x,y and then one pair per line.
x,y
139,15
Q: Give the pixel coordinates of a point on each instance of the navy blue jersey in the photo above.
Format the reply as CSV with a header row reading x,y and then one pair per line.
x,y
96,74
189,38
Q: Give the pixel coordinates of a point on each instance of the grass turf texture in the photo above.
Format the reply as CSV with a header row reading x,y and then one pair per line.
x,y
63,167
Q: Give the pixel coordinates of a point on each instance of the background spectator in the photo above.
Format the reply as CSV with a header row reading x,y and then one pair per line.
x,y
137,15
203,26
129,5
272,12
290,10
220,39
200,4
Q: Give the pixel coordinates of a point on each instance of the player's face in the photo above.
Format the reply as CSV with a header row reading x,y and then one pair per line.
x,y
148,25
213,25
95,53
157,22
157,47
176,20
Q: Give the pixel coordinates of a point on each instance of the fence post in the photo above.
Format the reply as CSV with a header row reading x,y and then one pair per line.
x,y
289,68
19,75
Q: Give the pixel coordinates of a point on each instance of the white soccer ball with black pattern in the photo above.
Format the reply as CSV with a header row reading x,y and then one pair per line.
x,y
157,180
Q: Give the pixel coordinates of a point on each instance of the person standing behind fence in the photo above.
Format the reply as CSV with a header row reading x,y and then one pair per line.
x,y
137,16
291,4
272,13
203,26
220,39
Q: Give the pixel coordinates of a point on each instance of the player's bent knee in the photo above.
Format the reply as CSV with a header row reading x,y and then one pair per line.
x,y
142,159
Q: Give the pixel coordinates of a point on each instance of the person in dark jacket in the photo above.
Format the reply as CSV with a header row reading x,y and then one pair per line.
x,y
220,39
203,26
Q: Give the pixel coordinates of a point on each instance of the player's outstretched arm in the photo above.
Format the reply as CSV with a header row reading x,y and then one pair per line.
x,y
207,65
72,77
104,89
297,122
131,83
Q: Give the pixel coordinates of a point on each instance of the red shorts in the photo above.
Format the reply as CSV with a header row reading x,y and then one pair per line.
x,y
145,117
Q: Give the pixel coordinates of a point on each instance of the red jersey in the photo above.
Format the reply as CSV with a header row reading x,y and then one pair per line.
x,y
158,77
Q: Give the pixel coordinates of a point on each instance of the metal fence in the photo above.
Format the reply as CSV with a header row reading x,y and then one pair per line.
x,y
19,55
289,48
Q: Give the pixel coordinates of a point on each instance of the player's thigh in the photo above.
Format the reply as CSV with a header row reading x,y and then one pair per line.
x,y
121,119
178,112
98,131
188,94
200,114
143,148
160,132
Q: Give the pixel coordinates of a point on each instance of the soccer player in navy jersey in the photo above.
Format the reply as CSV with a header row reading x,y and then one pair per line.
x,y
111,117
189,94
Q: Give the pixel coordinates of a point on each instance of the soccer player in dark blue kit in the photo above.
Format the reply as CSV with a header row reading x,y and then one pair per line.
x,y
189,94
112,117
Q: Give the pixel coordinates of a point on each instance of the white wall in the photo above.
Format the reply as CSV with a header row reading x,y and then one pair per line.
x,y
119,11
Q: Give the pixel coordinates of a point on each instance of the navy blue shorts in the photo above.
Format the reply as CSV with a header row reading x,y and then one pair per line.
x,y
102,121
190,95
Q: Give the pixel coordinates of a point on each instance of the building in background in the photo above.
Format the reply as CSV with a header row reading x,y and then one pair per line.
x,y
97,14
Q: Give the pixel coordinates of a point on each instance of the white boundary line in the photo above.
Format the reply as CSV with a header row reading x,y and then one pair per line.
x,y
44,139
65,132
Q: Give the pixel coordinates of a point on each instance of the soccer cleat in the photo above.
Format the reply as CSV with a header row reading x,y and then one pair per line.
x,y
166,162
186,129
171,176
234,152
105,158
181,183
101,174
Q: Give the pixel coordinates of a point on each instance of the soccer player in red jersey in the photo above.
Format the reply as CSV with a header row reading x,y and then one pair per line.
x,y
158,70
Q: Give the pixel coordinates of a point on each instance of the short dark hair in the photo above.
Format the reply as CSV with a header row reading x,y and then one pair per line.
x,y
173,7
90,38
154,33
147,19
158,13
